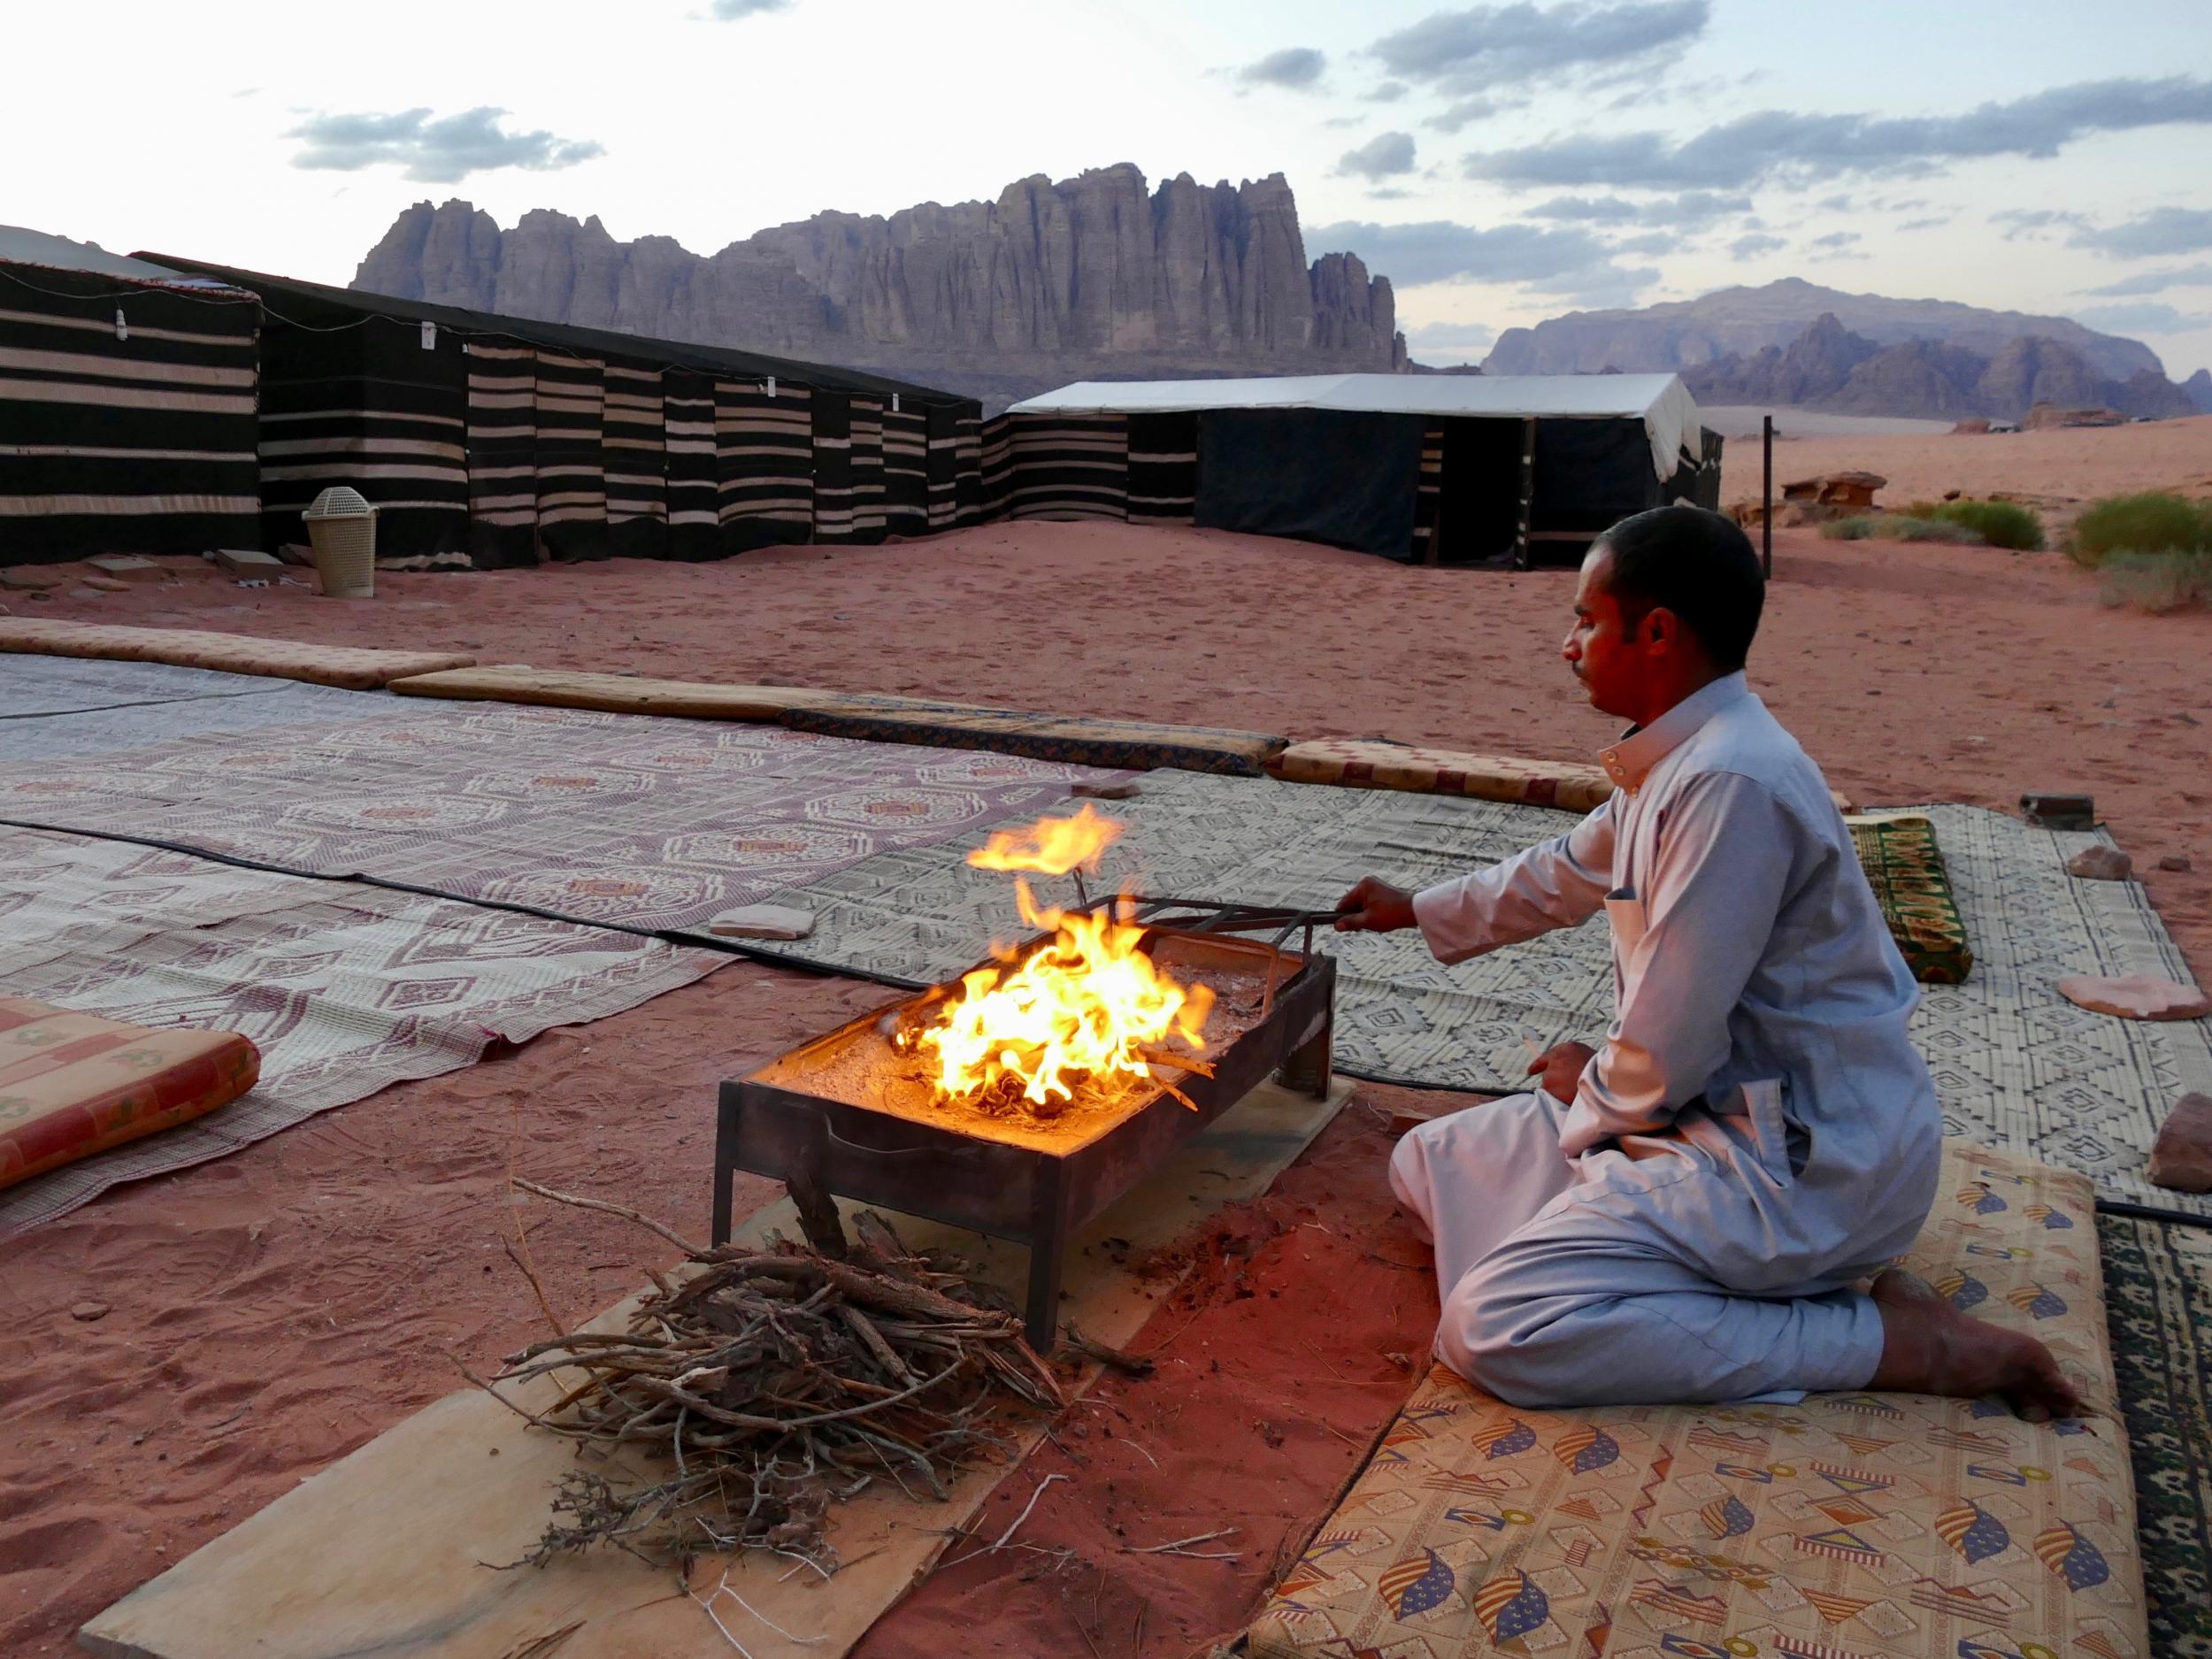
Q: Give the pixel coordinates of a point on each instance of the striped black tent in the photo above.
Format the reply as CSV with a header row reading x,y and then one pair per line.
x,y
1452,470
127,412
492,441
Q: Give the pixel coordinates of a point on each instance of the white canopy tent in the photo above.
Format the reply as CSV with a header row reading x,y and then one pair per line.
x,y
1661,402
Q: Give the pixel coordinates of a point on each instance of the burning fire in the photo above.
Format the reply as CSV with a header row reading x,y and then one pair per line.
x,y
1086,1009
1051,846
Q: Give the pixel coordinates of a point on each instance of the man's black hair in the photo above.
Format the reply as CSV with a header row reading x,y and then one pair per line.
x,y
1696,563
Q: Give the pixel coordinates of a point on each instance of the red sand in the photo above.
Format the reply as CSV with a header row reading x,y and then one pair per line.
x,y
268,1313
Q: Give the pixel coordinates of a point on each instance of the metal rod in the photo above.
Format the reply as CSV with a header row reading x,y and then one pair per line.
x,y
1766,518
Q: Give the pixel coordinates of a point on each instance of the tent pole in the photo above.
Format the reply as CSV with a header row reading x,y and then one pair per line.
x,y
1528,491
1435,554
1766,517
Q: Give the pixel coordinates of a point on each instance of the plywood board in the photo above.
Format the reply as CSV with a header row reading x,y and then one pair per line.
x,y
383,1553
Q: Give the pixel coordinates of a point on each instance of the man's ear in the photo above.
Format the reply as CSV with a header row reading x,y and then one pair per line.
x,y
1662,629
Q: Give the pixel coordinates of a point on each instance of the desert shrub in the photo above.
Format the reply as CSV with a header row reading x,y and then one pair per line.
x,y
2173,579
1912,528
2150,523
2005,523
1891,526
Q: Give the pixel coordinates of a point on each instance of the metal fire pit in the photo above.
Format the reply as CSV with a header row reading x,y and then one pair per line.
x,y
781,1121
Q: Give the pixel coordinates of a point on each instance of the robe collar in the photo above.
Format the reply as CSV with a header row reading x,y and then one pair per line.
x,y
1630,760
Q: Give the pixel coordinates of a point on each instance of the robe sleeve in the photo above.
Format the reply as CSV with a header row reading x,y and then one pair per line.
x,y
1558,883
1709,906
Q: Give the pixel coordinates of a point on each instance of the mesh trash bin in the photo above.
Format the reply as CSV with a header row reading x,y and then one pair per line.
x,y
342,527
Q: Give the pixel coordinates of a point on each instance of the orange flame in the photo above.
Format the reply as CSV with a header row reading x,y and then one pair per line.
x,y
1085,1011
1051,846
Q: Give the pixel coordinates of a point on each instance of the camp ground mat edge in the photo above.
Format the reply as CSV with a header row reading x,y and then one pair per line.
x,y
2016,1065
2158,1303
381,1551
32,687
345,989
639,822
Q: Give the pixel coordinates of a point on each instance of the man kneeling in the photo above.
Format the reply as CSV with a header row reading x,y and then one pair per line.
x,y
1686,1213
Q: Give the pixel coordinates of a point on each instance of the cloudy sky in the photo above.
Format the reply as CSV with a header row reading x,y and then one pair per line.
x,y
1501,163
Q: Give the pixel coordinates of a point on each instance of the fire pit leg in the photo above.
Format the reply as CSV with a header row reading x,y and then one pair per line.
x,y
1048,1243
1310,1066
725,1162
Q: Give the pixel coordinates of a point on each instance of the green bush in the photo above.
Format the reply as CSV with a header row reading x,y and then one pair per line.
x,y
2150,523
2005,523
1912,528
2157,582
1892,526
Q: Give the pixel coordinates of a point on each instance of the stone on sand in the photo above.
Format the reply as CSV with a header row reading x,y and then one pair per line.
x,y
106,585
248,562
127,567
2181,1158
763,921
27,578
2136,997
2175,861
2100,864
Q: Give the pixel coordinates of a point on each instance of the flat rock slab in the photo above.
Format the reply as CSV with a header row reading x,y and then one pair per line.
x,y
2100,864
127,567
28,576
2181,1158
248,562
2136,997
763,921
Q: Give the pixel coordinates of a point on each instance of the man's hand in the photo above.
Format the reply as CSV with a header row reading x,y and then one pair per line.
x,y
1374,907
1561,1069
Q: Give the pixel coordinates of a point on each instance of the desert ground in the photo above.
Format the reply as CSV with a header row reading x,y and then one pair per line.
x,y
180,1354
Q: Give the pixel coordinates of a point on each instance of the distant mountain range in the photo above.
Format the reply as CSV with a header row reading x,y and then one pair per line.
x,y
1740,321
1093,277
1829,366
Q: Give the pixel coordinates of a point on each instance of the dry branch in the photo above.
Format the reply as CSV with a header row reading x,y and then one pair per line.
x,y
771,1383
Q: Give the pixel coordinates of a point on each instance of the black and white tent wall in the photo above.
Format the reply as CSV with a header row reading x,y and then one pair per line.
x,y
127,416
491,442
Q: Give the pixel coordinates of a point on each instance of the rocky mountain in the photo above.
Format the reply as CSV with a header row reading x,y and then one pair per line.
x,y
1742,321
2199,386
1829,366
1093,277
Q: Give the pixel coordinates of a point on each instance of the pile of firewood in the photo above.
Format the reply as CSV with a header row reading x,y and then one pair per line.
x,y
759,1385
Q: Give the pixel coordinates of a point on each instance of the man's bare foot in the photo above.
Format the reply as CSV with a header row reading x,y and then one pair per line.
x,y
1929,1347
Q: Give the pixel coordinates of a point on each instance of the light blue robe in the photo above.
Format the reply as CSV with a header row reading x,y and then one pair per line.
x,y
1756,1135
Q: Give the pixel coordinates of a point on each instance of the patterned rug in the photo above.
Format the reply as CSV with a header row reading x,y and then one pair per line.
x,y
619,819
344,989
121,706
32,686
2017,1066
1894,1524
2158,1299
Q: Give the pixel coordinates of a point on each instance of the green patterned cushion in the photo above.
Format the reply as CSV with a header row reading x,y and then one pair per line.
x,y
1905,868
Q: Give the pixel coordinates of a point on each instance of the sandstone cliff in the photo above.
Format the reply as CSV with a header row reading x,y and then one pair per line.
x,y
1091,277
1830,367
2199,386
1740,321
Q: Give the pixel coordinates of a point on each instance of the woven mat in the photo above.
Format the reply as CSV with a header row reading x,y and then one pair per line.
x,y
2017,1067
32,686
2158,1299
343,989
627,820
60,708
1896,1525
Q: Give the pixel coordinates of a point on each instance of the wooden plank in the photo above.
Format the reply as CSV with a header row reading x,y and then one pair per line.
x,y
383,1553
